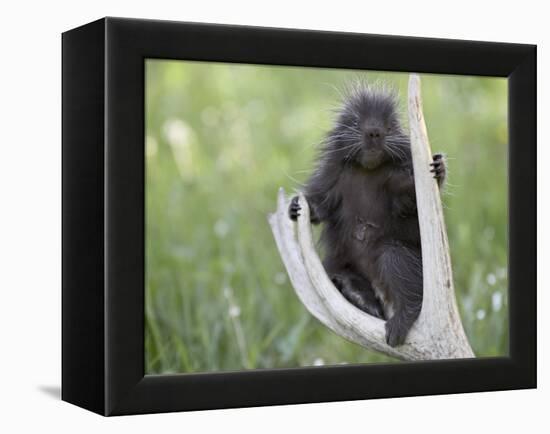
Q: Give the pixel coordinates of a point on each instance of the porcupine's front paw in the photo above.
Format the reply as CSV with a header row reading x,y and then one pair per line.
x,y
294,208
439,168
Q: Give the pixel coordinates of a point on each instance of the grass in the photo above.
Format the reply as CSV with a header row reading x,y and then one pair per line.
x,y
221,139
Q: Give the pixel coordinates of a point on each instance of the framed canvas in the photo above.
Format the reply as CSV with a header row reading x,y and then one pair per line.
x,y
181,293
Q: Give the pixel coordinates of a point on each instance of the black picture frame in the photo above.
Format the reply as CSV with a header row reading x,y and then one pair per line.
x,y
103,215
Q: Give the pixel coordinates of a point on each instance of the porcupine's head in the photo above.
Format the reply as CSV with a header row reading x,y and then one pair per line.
x,y
368,130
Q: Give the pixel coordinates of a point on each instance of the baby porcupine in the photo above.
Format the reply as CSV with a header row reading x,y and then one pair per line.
x,y
362,190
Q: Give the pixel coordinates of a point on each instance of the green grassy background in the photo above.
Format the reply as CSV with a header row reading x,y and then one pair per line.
x,y
221,139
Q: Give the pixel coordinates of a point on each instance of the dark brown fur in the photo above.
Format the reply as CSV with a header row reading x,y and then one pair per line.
x,y
362,190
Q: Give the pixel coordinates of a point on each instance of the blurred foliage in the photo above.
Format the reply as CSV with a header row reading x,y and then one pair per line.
x,y
221,139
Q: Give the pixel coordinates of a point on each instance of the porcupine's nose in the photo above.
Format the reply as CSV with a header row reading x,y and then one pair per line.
x,y
374,133
374,138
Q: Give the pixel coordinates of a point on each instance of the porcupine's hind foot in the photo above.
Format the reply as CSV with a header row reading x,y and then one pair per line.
x,y
359,292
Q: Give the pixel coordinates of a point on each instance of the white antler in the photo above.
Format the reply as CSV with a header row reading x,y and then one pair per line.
x,y
438,332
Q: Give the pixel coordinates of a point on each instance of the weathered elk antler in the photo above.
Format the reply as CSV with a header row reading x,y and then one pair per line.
x,y
438,331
